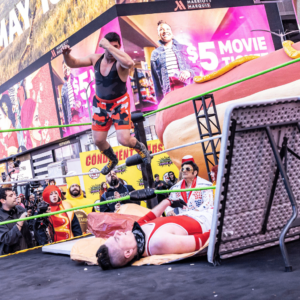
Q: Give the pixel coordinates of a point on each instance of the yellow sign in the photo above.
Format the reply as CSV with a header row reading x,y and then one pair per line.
x,y
93,161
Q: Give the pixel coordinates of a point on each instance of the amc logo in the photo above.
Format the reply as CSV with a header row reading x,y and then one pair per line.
x,y
179,5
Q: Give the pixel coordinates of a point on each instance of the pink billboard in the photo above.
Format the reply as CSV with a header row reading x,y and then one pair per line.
x,y
75,87
169,49
28,104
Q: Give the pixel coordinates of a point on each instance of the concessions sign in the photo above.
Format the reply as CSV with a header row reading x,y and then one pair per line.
x,y
94,161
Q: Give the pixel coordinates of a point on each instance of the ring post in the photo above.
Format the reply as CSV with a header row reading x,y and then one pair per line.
x,y
147,174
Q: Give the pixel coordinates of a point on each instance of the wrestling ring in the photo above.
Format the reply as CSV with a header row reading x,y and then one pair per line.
x,y
250,214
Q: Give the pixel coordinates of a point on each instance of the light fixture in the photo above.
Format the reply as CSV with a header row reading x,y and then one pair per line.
x,y
135,52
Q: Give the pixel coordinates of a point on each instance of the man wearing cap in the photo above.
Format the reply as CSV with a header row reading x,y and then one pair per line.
x,y
198,202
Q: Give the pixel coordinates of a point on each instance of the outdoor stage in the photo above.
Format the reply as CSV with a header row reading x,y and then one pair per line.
x,y
258,275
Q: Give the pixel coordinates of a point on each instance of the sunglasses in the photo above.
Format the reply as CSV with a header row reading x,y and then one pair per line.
x,y
188,169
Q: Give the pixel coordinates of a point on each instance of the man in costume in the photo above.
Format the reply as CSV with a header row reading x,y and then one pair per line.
x,y
75,194
196,199
154,235
111,104
66,225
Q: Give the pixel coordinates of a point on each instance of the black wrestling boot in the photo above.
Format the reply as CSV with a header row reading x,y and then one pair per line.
x,y
112,160
141,149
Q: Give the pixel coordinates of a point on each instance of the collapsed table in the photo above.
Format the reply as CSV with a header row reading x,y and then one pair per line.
x,y
258,179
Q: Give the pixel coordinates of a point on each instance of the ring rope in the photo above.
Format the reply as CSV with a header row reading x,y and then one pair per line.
x,y
102,203
175,104
124,164
225,86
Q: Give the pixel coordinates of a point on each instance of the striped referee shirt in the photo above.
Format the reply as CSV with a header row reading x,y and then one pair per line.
x,y
171,62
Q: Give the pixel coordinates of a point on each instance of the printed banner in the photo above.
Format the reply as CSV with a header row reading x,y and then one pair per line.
x,y
76,86
31,28
169,49
28,104
93,161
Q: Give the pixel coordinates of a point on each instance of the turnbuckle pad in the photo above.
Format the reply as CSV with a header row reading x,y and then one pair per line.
x,y
144,194
134,160
137,117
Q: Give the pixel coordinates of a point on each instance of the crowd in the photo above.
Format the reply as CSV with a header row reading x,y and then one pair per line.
x,y
38,198
48,197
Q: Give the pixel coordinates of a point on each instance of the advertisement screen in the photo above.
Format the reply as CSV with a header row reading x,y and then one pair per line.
x,y
76,86
31,28
169,49
29,103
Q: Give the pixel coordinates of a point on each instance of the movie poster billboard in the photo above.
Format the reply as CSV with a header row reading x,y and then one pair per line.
x,y
28,104
31,28
93,161
188,44
75,87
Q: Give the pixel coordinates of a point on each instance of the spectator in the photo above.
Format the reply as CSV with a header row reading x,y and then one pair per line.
x,y
172,179
103,189
116,190
213,176
195,200
19,201
22,197
66,225
13,236
52,182
160,185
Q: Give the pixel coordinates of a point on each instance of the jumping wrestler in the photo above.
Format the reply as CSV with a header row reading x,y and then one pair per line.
x,y
155,235
111,104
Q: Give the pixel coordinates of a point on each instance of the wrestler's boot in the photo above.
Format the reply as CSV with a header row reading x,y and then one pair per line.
x,y
112,160
141,149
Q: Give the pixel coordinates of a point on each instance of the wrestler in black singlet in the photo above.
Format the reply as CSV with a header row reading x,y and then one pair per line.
x,y
111,86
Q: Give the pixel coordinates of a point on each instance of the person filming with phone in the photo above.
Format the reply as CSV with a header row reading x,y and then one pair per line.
x,y
115,191
13,236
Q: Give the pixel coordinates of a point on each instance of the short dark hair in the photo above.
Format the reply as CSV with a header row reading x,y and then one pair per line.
x,y
103,258
3,194
156,175
113,37
191,163
162,22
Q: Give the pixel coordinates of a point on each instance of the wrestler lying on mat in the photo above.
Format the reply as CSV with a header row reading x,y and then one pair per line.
x,y
154,235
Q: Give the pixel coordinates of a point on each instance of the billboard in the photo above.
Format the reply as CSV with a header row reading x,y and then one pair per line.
x,y
28,104
187,44
75,87
93,161
31,28
202,41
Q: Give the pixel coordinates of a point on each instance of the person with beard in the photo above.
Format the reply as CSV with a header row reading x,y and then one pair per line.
x,y
116,190
66,225
75,194
13,236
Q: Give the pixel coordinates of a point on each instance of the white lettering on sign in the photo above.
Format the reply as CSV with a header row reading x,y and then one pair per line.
x,y
211,54
14,25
